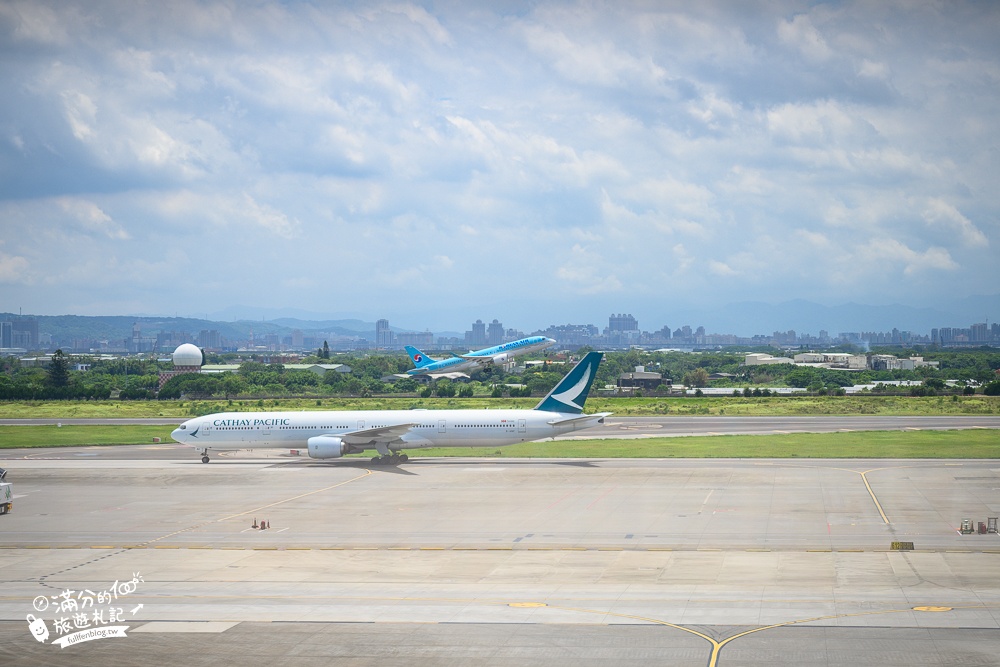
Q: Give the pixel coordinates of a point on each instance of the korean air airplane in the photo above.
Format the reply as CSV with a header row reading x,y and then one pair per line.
x,y
333,434
424,365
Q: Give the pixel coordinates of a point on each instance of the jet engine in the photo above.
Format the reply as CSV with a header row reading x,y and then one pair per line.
x,y
327,447
499,358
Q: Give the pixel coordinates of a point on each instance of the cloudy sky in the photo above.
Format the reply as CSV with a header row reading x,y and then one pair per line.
x,y
539,162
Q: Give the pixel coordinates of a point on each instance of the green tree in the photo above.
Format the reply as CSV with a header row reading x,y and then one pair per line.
x,y
234,385
444,388
696,378
59,370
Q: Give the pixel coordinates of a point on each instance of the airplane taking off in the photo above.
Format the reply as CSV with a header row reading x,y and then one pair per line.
x,y
498,354
330,434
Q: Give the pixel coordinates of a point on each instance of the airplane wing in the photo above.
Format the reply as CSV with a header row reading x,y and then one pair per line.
x,y
580,418
370,436
477,357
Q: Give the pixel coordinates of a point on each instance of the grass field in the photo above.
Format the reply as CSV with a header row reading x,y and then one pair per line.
x,y
733,406
68,436
972,444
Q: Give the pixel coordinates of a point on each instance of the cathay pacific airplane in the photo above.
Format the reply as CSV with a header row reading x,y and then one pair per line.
x,y
332,434
424,365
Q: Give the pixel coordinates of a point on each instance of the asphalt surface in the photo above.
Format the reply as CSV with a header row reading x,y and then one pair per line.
x,y
502,561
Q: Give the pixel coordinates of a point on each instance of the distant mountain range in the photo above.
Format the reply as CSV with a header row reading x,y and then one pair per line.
x,y
743,319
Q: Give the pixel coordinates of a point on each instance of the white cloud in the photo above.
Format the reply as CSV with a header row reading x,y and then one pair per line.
x,y
942,214
89,217
613,149
801,34
13,269
581,275
893,252
721,269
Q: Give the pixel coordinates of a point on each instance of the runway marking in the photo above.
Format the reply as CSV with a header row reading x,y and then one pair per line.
x,y
717,645
864,477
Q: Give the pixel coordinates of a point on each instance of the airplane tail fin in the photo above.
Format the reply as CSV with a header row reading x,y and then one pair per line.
x,y
571,393
419,358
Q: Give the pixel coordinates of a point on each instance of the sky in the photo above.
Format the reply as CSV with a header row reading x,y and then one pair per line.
x,y
537,162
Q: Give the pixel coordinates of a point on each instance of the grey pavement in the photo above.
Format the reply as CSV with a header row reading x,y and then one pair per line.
x,y
508,561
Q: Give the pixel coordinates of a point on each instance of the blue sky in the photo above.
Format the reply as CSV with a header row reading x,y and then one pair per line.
x,y
542,162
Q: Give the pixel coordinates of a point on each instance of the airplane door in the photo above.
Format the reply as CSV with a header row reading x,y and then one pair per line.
x,y
361,424
206,428
522,425
442,426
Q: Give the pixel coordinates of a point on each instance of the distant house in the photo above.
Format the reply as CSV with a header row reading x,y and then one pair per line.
x,y
640,378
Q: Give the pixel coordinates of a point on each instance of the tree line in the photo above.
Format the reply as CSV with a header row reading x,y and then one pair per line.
x,y
138,379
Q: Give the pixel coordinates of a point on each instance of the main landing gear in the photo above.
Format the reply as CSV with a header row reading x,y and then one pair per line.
x,y
390,459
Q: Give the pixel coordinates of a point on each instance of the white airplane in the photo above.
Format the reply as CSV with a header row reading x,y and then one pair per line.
x,y
329,434
424,365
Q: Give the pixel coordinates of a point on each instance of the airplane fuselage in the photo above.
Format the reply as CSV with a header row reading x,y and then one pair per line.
x,y
486,356
426,428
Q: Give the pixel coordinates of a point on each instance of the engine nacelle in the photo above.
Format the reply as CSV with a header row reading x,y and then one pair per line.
x,y
500,358
327,447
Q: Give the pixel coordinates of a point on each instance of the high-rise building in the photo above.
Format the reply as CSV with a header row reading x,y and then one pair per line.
x,y
210,339
383,334
622,323
477,337
25,332
6,334
495,333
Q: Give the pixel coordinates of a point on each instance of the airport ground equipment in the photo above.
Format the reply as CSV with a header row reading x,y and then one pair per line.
x,y
6,493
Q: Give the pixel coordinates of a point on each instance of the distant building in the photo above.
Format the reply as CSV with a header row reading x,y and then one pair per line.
x,y
24,332
383,334
210,339
187,358
761,359
419,339
622,323
494,334
640,378
477,337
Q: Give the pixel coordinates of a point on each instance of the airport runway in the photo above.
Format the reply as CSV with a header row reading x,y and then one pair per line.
x,y
504,562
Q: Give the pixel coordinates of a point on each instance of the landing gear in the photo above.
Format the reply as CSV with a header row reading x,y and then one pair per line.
x,y
204,459
204,456
390,459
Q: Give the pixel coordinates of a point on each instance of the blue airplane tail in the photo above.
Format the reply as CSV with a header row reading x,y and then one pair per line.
x,y
418,358
571,393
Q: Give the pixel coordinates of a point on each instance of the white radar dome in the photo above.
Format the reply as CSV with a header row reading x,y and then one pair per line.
x,y
187,355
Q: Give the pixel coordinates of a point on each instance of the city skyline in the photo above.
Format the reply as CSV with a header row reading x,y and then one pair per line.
x,y
552,160
23,333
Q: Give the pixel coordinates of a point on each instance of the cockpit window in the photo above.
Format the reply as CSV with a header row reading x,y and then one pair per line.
x,y
183,427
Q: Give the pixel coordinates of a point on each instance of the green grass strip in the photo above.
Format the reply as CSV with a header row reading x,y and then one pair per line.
x,y
966,444
14,437
970,444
